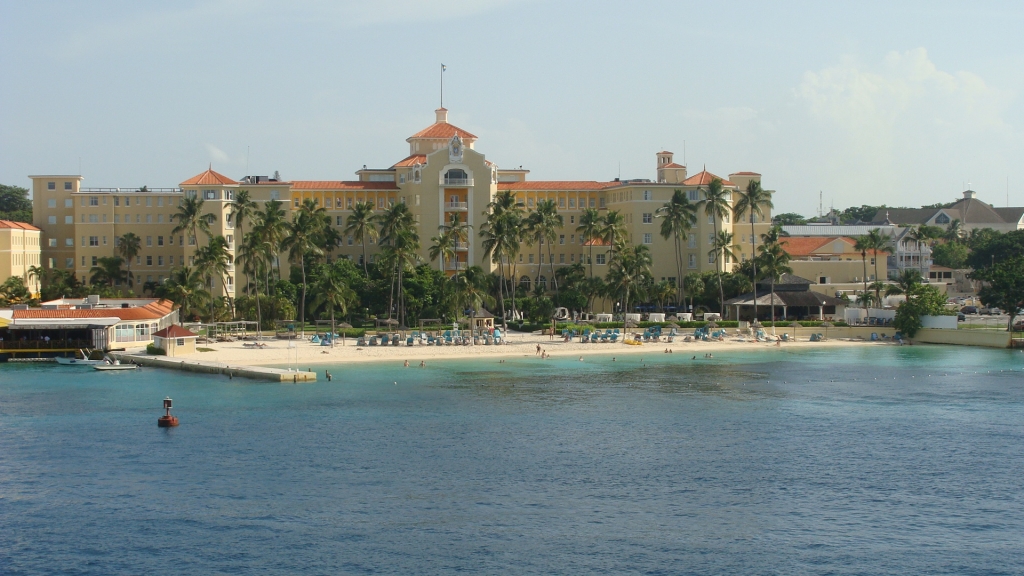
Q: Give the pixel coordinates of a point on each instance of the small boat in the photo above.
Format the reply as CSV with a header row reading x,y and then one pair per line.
x,y
77,362
113,364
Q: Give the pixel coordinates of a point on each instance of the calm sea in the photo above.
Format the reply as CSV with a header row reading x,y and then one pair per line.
x,y
877,460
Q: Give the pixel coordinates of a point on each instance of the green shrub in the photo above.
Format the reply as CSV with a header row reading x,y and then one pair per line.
x,y
152,350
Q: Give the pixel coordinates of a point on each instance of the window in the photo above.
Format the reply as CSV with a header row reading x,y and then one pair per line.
x,y
711,258
104,240
561,238
160,218
69,203
648,238
380,203
275,195
600,259
338,221
191,240
348,239
572,239
691,241
170,260
942,219
209,195
231,240
117,218
693,195
602,202
529,203
561,203
53,220
159,240
67,185
648,195
149,240
348,203
229,194
51,185
531,257
94,240
51,203
69,262
94,258
69,241
149,260
149,218
648,217
93,219
572,203
159,260
53,242
591,202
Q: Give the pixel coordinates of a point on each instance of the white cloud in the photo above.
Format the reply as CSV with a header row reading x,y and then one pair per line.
x,y
217,155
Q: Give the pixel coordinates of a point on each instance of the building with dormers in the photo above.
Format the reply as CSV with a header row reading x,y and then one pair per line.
x,y
442,174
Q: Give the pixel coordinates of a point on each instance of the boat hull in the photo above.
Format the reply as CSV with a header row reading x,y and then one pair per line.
x,y
115,367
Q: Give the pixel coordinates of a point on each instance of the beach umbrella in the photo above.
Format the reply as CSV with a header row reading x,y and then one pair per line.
x,y
344,325
794,326
673,325
712,324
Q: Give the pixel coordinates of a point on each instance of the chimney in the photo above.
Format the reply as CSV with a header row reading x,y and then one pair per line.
x,y
442,115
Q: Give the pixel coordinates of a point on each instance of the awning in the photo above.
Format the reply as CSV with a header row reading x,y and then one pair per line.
x,y
62,323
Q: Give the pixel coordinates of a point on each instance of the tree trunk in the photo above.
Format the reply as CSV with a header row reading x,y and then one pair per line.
x,y
864,259
366,270
753,264
333,328
772,303
551,265
302,304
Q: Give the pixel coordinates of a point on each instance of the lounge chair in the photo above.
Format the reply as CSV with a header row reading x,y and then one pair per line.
x,y
874,336
814,337
373,340
615,336
361,341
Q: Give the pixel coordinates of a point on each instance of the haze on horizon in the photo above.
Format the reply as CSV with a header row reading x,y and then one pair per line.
x,y
867,102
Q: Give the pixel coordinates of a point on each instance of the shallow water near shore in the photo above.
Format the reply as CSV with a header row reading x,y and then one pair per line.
x,y
861,460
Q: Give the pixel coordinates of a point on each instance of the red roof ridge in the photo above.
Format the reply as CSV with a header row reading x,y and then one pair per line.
x,y
175,331
704,178
529,185
341,185
20,225
208,177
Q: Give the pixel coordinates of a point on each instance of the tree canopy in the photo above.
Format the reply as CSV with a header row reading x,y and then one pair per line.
x,y
15,204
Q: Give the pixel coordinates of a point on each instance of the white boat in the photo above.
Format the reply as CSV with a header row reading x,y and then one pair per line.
x,y
77,362
113,364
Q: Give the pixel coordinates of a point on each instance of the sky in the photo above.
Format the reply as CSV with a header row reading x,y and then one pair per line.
x,y
902,103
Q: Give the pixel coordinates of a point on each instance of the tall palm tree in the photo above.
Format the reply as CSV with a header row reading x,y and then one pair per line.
x,y
906,283
774,262
128,247
694,286
256,257
37,272
589,230
753,202
679,217
502,235
271,225
613,230
918,234
716,205
331,291
361,225
863,245
880,244
629,273
186,288
212,262
445,244
395,221
401,251
955,232
108,271
470,290
542,227
191,219
721,251
242,208
300,242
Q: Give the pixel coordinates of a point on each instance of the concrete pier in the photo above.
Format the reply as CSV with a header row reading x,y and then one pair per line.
x,y
204,367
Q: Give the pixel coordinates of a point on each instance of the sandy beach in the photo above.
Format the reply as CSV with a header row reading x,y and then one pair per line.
x,y
278,353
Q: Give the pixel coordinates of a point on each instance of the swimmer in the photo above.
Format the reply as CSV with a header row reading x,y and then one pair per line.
x,y
581,358
406,363
423,363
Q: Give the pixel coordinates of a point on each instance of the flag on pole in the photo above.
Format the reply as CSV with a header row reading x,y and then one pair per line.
x,y
443,67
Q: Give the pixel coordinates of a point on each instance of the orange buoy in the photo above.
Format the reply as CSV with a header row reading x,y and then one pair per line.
x,y
166,421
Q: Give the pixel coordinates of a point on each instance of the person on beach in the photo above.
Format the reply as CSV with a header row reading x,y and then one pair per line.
x,y
406,363
538,350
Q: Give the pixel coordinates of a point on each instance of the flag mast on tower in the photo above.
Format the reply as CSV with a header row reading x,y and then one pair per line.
x,y
443,68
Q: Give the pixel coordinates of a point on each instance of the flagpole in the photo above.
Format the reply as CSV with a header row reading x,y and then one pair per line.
x,y
442,85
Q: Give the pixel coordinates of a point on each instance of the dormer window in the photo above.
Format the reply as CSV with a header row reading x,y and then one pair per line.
x,y
942,219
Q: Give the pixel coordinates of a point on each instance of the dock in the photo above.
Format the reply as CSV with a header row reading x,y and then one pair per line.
x,y
205,367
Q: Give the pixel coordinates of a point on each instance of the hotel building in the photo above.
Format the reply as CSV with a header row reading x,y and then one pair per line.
x,y
442,173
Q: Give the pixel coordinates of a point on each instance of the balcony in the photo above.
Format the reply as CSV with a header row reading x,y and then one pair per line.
x,y
461,246
455,265
459,182
456,206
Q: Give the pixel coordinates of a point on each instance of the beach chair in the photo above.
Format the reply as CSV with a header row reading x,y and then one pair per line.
x,y
373,340
874,336
430,339
361,341
785,337
409,340
814,337
615,336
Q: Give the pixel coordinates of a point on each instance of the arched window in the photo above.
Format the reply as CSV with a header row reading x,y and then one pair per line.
x,y
524,283
543,283
456,177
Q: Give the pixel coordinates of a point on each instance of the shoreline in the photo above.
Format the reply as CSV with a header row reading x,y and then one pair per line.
x,y
277,353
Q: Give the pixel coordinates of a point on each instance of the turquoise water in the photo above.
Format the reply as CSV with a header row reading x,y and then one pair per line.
x,y
872,460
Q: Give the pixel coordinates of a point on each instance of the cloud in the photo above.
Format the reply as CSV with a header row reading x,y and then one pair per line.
x,y
217,155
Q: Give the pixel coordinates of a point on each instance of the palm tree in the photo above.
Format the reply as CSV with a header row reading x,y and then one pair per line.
x,y
613,230
753,201
774,262
716,205
542,226
191,219
361,225
256,257
128,247
331,291
300,242
862,245
469,290
108,271
694,286
502,234
906,283
243,208
271,226
955,232
445,244
721,251
37,272
918,234
186,288
401,251
629,272
212,262
394,222
589,230
679,217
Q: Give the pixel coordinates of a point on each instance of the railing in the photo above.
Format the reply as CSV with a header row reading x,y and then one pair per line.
x,y
455,266
460,206
44,344
462,246
129,190
456,181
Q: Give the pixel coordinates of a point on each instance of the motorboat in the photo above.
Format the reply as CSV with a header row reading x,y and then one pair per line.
x,y
73,361
113,364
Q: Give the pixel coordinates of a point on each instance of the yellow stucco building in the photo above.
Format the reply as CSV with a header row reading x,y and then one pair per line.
x,y
442,174
19,251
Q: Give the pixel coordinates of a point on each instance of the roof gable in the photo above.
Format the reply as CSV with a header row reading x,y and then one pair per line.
x,y
207,178
442,130
703,178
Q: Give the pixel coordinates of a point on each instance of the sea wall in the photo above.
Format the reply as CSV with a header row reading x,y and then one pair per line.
x,y
986,338
203,367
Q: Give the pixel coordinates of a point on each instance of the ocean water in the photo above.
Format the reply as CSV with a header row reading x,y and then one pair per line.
x,y
874,460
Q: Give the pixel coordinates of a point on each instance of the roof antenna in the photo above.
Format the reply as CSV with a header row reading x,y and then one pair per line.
x,y
246,160
684,152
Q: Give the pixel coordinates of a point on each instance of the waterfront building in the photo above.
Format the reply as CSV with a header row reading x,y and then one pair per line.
x,y
970,211
19,251
441,176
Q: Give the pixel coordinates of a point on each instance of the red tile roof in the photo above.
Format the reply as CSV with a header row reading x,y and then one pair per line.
x,y
665,152
596,242
20,225
807,246
531,185
442,130
341,185
208,177
745,174
672,165
152,311
175,331
411,160
704,178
